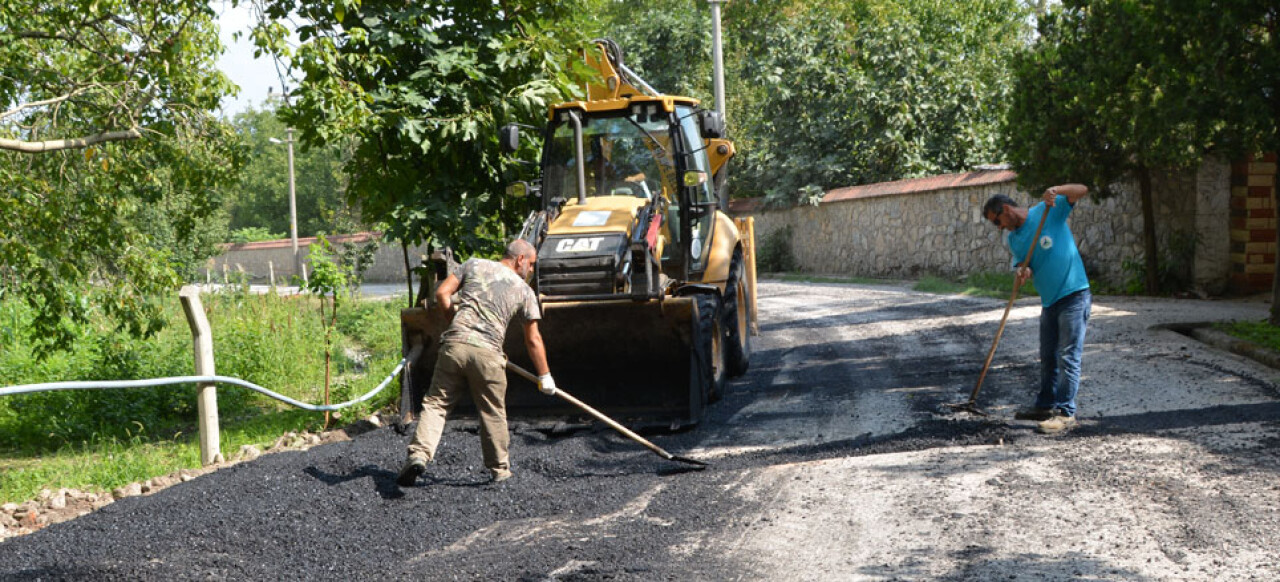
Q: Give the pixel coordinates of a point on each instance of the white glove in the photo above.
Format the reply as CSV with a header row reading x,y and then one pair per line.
x,y
547,385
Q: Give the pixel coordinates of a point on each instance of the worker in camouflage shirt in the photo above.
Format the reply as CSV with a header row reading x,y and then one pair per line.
x,y
471,360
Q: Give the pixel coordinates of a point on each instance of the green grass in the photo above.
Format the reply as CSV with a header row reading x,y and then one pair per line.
x,y
1261,332
101,439
799,278
985,284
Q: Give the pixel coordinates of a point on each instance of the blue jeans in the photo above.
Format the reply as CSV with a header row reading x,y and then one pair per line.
x,y
1062,327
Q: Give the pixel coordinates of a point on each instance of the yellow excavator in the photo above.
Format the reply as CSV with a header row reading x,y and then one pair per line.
x,y
647,287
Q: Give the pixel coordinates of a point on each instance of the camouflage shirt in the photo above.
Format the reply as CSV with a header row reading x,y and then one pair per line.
x,y
489,295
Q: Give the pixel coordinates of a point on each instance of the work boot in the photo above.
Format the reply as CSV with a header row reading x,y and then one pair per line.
x,y
1059,423
1035,413
500,475
414,467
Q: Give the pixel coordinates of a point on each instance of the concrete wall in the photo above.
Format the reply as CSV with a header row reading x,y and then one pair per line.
x,y
259,259
934,225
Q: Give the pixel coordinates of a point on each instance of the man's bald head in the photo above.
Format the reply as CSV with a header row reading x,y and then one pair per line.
x,y
520,256
520,248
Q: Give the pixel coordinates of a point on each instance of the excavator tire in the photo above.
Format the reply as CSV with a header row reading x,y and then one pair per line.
x,y
710,346
737,300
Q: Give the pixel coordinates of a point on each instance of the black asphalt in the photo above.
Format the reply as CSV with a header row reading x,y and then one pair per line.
x,y
585,505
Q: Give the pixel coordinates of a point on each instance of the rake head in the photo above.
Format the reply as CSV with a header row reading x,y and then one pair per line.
x,y
968,406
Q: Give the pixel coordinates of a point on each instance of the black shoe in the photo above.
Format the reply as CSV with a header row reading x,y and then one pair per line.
x,y
409,474
1037,414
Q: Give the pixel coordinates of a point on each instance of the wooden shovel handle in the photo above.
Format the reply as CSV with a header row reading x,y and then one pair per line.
x,y
1012,297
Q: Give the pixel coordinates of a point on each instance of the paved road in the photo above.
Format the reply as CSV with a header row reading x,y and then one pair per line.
x,y
833,459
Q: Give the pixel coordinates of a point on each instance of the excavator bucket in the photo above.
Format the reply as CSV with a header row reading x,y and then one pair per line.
x,y
646,361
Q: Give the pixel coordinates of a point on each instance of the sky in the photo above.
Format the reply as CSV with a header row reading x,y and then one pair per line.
x,y
254,76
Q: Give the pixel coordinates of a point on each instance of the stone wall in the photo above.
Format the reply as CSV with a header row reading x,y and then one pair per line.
x,y
934,225
258,260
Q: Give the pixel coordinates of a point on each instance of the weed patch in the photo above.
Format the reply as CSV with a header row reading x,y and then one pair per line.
x,y
1259,332
100,439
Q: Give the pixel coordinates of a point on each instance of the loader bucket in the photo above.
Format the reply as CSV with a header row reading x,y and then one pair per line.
x,y
631,360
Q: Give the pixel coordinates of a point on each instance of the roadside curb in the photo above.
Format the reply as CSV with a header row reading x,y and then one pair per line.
x,y
1204,332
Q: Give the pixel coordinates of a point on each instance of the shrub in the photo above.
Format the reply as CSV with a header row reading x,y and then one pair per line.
x,y
775,253
253,234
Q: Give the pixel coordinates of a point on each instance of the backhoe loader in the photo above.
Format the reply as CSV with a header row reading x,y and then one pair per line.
x,y
646,286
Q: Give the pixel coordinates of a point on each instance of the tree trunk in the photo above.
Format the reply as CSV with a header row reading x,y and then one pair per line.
x,y
1152,282
408,271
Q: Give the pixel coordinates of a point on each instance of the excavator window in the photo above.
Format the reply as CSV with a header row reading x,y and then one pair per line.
x,y
702,196
624,157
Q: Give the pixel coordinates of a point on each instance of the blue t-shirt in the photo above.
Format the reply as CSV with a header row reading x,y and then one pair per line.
x,y
1055,266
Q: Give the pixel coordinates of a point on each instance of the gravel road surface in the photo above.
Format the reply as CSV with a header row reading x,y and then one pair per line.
x,y
832,459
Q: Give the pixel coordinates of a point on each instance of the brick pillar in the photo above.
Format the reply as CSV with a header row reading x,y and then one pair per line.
x,y
1253,224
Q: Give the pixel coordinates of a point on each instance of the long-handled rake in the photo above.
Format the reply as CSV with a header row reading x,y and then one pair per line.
x,y
609,421
971,404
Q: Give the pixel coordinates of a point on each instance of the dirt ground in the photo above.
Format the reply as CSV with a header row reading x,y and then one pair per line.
x,y
832,459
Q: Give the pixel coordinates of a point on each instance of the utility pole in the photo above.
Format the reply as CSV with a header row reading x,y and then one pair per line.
x,y
717,55
293,205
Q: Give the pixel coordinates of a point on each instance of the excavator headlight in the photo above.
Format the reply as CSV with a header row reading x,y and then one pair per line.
x,y
517,189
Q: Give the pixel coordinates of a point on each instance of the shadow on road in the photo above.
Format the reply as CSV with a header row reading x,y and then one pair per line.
x,y
384,480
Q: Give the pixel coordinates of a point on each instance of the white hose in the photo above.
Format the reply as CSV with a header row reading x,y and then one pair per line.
x,y
51,386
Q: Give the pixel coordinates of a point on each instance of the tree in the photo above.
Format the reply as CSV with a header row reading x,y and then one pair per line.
x,y
110,158
666,42
878,91
830,94
421,89
328,282
1115,89
261,198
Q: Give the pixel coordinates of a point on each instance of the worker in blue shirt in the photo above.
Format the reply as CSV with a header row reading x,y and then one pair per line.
x,y
1064,293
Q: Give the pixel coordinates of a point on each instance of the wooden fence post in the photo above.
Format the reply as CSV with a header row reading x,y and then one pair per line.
x,y
207,402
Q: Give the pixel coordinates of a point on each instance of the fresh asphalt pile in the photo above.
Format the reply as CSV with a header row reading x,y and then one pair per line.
x,y
839,421
335,511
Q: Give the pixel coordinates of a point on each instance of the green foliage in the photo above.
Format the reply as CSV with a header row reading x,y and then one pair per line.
x,y
91,234
775,254
1174,267
254,234
261,198
264,339
666,42
828,94
1117,88
836,94
421,90
358,258
328,278
1259,332
328,282
64,439
102,463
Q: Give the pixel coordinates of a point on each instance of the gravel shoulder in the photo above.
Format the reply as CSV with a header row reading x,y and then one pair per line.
x,y
832,459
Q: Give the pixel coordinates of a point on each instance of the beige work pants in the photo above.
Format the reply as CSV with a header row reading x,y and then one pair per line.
x,y
481,372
